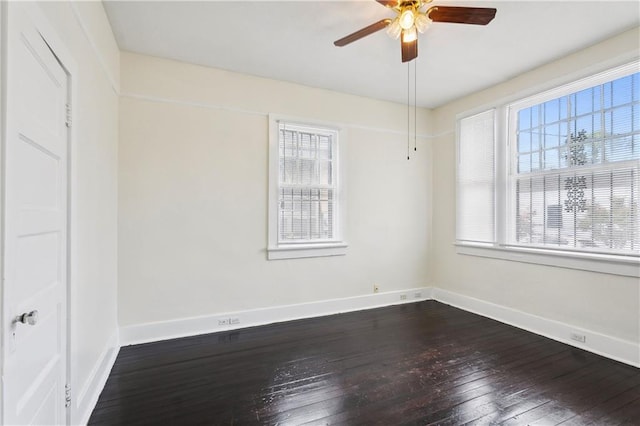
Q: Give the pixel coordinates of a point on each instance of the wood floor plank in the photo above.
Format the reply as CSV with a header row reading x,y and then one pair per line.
x,y
420,363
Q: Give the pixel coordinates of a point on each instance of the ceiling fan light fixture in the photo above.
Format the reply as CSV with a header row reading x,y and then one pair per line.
x,y
422,22
407,19
394,29
409,35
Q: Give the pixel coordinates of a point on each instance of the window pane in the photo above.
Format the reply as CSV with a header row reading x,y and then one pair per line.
x,y
524,163
306,196
596,210
535,161
551,159
524,142
622,91
475,179
552,111
577,179
621,120
524,119
552,136
536,136
583,102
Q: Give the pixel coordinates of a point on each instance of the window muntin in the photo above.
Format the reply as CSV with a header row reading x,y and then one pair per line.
x,y
575,180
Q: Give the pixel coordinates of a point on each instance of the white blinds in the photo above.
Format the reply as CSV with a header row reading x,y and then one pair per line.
x,y
576,170
307,191
476,179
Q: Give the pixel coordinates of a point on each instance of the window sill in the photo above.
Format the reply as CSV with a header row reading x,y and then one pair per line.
x,y
298,251
609,264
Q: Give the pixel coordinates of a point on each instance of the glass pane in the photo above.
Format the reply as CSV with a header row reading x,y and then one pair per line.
x,y
524,142
564,111
536,135
552,136
324,147
619,149
622,91
535,116
551,159
584,102
607,93
524,119
524,163
535,161
577,194
621,120
325,172
306,145
305,210
552,111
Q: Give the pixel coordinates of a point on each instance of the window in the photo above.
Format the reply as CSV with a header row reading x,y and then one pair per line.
x,y
565,176
306,196
575,175
476,183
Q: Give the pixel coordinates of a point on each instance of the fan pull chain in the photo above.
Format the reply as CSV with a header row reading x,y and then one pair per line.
x,y
415,104
408,110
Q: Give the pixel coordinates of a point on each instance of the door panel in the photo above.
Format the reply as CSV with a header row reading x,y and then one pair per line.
x,y
35,257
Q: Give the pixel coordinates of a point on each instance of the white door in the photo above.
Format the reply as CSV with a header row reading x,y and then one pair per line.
x,y
35,228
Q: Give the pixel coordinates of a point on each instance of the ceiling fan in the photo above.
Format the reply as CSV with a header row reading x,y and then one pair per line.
x,y
412,18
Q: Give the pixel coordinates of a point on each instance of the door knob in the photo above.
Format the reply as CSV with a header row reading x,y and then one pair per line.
x,y
30,318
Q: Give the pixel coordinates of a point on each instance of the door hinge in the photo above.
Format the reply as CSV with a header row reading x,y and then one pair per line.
x,y
68,117
67,395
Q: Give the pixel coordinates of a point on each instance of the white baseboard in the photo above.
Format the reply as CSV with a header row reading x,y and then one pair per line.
x,y
611,347
88,395
151,332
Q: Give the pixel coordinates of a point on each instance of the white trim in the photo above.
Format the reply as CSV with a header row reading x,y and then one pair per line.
x,y
586,82
294,251
607,264
195,104
614,348
163,330
621,61
88,396
617,349
291,250
212,105
87,35
4,32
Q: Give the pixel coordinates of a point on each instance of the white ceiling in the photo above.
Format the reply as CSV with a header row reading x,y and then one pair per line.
x,y
293,41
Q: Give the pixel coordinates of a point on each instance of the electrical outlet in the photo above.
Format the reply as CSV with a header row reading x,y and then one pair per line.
x,y
417,294
403,297
234,320
224,321
578,337
376,288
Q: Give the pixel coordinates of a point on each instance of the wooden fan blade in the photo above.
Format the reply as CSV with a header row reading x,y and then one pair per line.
x,y
461,15
362,33
409,50
388,3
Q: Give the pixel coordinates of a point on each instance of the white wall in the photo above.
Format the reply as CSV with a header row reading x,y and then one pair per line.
x,y
84,31
602,303
193,194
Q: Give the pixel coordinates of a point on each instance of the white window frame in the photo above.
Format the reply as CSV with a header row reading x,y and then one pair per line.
x,y
337,246
506,125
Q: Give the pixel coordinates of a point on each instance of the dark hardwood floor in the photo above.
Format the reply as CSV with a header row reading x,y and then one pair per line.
x,y
421,363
